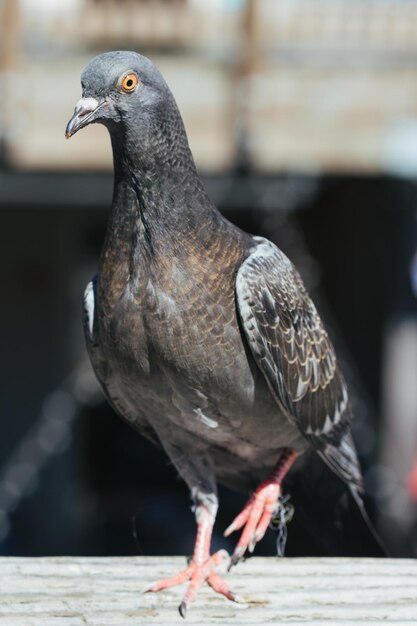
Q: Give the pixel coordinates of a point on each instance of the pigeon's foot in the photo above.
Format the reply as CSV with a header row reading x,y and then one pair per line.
x,y
201,567
261,508
256,517
197,574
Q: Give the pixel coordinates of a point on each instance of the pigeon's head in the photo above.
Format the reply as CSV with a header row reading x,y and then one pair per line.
x,y
120,90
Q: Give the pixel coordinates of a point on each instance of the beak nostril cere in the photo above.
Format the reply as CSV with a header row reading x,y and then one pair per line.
x,y
86,106
84,109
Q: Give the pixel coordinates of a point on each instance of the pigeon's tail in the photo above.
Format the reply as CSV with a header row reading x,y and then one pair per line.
x,y
331,512
343,460
359,503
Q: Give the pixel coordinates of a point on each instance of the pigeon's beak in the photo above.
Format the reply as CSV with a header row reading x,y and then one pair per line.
x,y
84,113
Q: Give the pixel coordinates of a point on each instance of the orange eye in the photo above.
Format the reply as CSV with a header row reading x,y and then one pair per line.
x,y
129,82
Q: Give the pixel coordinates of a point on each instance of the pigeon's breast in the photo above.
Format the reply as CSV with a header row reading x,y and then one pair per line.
x,y
191,323
180,318
180,358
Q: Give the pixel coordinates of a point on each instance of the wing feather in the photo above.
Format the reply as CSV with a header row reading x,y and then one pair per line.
x,y
294,352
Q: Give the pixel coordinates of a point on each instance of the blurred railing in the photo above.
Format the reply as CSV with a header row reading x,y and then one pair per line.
x,y
307,85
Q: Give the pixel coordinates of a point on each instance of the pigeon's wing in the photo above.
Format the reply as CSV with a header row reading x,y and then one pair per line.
x,y
292,349
102,369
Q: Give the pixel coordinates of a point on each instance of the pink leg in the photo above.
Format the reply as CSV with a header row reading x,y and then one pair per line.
x,y
201,567
260,509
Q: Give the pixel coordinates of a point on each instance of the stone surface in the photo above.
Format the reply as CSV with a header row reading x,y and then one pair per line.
x,y
69,591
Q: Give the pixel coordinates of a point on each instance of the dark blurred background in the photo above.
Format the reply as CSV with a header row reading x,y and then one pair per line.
x,y
302,116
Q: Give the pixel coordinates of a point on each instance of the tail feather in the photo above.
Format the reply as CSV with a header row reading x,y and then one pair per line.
x,y
359,503
330,509
343,461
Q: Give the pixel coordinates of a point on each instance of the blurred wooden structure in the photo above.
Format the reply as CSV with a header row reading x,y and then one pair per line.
x,y
106,591
319,86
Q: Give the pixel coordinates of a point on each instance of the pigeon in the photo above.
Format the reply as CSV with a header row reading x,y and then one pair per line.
x,y
203,337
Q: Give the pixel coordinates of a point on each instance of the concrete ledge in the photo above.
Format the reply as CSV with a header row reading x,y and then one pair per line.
x,y
68,591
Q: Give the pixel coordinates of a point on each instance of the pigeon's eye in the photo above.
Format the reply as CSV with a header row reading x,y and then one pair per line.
x,y
128,82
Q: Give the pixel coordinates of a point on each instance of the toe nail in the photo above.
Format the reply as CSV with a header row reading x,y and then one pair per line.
x,y
253,542
228,531
183,610
237,599
236,556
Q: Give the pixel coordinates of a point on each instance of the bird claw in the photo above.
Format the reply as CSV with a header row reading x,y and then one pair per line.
x,y
255,518
182,609
197,574
235,558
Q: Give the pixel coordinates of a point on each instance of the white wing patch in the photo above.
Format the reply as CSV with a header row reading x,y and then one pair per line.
x,y
89,306
206,420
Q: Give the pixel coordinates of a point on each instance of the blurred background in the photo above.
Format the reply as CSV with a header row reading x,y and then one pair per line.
x,y
302,116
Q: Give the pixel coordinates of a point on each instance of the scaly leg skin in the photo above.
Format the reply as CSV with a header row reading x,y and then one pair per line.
x,y
201,567
259,510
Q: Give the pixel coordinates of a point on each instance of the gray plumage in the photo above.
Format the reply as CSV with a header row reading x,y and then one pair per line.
x,y
203,337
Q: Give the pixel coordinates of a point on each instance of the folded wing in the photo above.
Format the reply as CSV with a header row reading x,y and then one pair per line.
x,y
292,349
